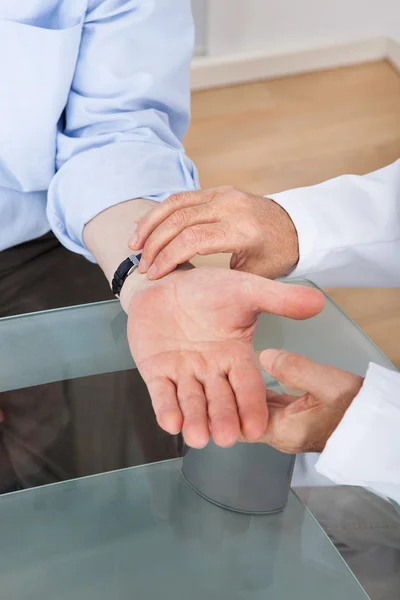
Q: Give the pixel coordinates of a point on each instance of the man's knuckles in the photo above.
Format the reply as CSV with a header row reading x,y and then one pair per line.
x,y
178,220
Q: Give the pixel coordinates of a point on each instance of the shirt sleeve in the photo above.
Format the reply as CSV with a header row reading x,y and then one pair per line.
x,y
127,113
365,448
349,229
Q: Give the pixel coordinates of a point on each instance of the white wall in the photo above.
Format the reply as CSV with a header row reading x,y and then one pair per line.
x,y
199,8
279,26
246,40
394,23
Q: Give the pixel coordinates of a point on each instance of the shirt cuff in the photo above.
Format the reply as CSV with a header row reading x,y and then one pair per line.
x,y
365,447
103,177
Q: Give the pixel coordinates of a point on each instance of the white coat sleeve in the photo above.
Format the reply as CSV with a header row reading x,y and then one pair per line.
x,y
349,235
365,448
349,229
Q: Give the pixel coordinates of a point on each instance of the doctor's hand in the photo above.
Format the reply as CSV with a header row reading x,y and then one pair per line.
x,y
304,424
191,337
258,233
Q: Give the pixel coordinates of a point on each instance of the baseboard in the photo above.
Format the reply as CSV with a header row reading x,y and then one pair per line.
x,y
393,53
210,72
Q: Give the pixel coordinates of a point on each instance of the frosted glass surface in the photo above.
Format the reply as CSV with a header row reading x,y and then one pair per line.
x,y
144,534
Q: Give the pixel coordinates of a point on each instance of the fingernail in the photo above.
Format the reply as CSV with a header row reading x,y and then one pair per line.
x,y
267,359
142,266
134,238
133,241
152,272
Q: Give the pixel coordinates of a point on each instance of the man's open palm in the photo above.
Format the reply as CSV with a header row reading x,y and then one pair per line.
x,y
191,337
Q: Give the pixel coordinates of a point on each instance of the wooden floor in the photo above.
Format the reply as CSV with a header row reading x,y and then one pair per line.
x,y
270,136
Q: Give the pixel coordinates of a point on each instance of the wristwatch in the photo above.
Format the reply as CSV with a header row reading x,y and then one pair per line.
x,y
127,267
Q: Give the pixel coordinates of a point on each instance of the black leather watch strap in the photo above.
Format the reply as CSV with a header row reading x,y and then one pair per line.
x,y
124,269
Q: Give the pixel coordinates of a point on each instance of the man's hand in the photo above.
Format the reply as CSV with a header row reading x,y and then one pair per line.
x,y
304,424
191,337
257,231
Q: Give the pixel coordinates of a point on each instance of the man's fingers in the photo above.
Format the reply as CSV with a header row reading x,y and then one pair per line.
x,y
301,373
222,411
181,220
286,300
197,239
158,214
251,398
165,403
193,404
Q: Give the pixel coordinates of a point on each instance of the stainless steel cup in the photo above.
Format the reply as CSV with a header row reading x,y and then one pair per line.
x,y
248,478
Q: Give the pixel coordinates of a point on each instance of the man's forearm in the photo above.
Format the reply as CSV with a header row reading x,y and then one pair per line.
x,y
107,236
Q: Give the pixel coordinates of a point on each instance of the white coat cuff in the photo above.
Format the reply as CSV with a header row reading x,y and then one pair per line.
x,y
365,448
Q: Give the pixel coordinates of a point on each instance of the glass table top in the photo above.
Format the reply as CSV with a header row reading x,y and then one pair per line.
x,y
75,406
144,533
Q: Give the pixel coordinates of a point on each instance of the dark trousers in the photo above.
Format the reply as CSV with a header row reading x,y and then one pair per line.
x,y
78,427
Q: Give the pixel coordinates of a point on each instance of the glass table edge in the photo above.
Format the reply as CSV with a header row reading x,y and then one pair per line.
x,y
59,309
89,477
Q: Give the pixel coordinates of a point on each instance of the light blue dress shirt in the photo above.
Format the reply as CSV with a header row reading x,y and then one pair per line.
x,y
94,104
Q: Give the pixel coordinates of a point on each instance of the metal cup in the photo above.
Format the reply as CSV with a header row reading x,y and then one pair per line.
x,y
247,478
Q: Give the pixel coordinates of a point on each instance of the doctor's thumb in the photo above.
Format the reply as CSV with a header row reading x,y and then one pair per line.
x,y
294,371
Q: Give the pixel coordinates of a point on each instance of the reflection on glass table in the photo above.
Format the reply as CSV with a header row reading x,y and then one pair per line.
x,y
74,405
